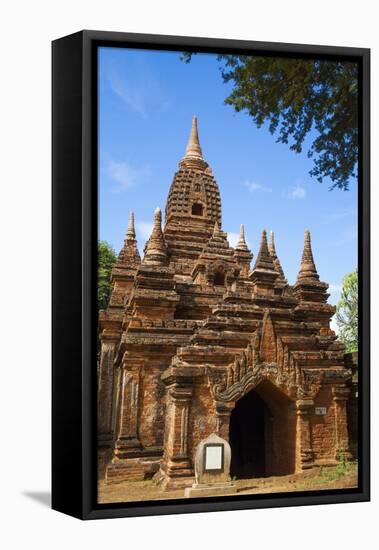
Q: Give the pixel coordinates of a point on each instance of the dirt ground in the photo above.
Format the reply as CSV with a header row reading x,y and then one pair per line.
x,y
338,477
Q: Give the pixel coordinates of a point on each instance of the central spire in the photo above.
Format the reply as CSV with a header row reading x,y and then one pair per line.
x,y
193,147
193,157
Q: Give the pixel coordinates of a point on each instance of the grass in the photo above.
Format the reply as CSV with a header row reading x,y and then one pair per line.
x,y
328,475
343,475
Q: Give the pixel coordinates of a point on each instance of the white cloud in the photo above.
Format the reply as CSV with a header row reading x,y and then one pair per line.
x,y
144,228
126,175
333,325
234,237
297,192
141,93
335,288
134,98
254,186
335,293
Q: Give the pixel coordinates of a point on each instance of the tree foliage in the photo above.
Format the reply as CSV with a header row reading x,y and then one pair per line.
x,y
347,312
295,96
106,258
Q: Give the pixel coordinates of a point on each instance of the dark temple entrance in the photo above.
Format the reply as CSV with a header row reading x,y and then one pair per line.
x,y
247,437
262,434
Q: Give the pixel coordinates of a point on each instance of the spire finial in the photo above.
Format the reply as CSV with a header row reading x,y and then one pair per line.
x,y
241,245
193,157
271,244
307,267
155,248
131,232
157,217
129,253
274,256
193,149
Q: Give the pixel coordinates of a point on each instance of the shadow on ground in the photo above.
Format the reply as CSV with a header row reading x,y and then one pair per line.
x,y
42,497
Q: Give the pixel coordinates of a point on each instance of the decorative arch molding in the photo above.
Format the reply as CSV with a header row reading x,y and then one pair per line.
x,y
225,390
287,372
250,369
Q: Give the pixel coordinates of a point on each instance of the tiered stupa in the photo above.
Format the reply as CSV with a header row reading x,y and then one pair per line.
x,y
195,342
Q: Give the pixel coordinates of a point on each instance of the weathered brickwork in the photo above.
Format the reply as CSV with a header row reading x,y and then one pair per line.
x,y
324,427
195,342
203,420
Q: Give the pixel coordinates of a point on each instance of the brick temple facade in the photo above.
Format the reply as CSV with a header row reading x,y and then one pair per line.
x,y
198,339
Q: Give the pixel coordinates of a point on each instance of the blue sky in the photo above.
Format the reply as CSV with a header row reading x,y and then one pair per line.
x,y
146,103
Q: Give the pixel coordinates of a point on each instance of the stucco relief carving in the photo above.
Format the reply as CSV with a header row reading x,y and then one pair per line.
x,y
248,370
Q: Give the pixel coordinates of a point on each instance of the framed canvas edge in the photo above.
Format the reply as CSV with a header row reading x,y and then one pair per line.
x,y
67,365
88,506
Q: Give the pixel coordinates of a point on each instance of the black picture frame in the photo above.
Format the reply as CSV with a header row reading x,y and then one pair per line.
x,y
74,205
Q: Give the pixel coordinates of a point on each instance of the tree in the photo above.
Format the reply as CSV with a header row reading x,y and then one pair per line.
x,y
295,96
347,312
106,258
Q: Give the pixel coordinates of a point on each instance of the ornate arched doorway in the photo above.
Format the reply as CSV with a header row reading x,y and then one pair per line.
x,y
262,433
247,436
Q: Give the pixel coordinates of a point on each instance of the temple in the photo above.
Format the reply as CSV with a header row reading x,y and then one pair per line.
x,y
197,340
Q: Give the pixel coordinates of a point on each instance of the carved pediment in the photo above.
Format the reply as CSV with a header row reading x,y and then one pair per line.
x,y
246,372
296,373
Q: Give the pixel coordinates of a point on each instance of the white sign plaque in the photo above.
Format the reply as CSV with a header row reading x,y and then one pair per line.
x,y
320,411
213,457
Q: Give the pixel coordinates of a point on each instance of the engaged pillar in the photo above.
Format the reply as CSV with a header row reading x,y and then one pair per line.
x,y
105,391
223,412
340,397
127,443
304,455
177,463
